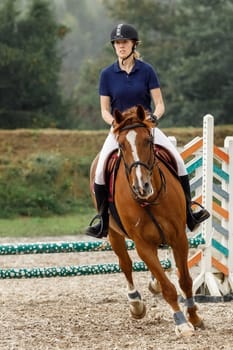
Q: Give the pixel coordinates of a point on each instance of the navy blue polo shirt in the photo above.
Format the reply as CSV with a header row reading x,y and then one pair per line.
x,y
128,90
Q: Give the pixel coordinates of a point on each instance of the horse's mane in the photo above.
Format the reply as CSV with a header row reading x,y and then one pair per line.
x,y
130,117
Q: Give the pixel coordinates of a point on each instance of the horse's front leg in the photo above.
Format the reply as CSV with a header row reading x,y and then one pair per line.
x,y
137,306
185,281
149,255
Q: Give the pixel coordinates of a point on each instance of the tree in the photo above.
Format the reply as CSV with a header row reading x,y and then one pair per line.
x,y
86,112
201,71
30,95
89,26
189,44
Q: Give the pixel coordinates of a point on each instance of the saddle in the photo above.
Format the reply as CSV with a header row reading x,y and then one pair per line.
x,y
111,171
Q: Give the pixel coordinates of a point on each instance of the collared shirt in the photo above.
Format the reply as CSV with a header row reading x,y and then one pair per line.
x,y
128,90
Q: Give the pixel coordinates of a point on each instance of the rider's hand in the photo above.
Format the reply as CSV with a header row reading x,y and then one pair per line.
x,y
153,119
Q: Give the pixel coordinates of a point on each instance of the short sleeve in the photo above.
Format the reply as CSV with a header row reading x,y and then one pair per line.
x,y
103,84
153,78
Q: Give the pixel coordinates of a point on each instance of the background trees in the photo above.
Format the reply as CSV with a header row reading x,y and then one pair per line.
x,y
188,42
30,95
200,74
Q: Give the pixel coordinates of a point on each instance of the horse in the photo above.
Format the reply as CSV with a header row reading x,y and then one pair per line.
x,y
151,206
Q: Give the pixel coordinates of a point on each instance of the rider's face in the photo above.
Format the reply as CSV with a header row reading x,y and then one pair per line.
x,y
123,47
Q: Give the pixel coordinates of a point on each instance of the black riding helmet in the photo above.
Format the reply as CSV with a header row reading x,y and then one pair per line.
x,y
124,31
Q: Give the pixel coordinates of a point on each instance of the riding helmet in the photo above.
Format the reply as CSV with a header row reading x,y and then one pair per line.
x,y
124,31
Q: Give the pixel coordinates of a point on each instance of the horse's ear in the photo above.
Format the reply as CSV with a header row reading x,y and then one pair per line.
x,y
118,116
141,112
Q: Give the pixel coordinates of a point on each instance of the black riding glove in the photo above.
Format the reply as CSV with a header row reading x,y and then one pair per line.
x,y
154,119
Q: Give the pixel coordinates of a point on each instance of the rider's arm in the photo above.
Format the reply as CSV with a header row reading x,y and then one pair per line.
x,y
157,98
105,109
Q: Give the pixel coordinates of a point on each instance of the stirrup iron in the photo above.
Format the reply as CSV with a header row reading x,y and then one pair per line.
x,y
101,222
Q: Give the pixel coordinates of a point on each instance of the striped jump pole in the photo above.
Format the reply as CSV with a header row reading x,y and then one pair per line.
x,y
69,271
211,170
71,247
228,145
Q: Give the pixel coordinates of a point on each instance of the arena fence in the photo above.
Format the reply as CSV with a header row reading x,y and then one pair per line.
x,y
211,173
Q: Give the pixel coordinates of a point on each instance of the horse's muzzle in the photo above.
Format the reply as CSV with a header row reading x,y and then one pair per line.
x,y
143,190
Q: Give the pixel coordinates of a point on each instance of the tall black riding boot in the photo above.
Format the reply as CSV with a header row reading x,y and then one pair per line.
x,y
193,219
100,229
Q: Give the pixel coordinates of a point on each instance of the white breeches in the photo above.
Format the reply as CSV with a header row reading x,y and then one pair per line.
x,y
111,144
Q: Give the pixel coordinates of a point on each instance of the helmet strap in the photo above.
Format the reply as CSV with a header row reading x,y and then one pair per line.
x,y
131,53
124,59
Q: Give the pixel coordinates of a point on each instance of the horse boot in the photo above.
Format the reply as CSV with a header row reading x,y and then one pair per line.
x,y
193,218
100,229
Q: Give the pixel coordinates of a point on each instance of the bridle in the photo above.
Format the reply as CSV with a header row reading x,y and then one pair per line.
x,y
128,168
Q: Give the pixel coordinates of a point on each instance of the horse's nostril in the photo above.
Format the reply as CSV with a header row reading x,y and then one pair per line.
x,y
146,187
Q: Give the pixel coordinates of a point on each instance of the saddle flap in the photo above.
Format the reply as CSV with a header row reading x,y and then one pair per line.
x,y
166,157
110,173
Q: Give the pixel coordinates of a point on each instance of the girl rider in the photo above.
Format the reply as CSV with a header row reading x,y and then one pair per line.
x,y
126,83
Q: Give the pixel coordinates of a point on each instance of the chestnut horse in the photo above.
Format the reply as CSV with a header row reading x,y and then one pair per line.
x,y
144,185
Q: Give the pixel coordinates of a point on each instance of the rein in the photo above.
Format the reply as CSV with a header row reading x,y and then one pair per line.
x,y
132,126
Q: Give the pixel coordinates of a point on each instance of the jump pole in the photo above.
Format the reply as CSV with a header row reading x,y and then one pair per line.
x,y
206,277
68,271
207,281
228,143
71,247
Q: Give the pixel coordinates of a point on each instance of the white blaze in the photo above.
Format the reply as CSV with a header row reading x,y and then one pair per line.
x,y
131,138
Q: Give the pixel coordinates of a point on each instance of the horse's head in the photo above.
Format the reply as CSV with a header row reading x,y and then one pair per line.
x,y
133,131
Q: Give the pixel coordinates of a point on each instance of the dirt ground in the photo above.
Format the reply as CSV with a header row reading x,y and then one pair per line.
x,y
91,312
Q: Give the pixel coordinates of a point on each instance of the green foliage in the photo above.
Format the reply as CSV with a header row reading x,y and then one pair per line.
x,y
189,44
187,41
30,95
86,114
44,185
200,71
48,174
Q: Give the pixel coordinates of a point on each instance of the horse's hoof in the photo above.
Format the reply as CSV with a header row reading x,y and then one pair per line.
x,y
137,309
184,330
194,317
154,287
200,325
